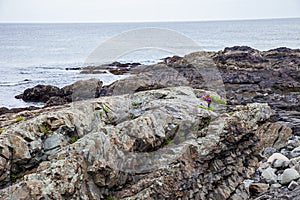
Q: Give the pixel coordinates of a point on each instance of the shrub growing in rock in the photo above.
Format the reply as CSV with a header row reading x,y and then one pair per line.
x,y
19,118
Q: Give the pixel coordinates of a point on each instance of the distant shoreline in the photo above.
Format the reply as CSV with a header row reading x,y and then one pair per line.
x,y
151,22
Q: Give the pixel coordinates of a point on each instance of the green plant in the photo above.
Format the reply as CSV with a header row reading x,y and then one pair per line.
x,y
45,130
111,198
134,103
195,128
169,141
132,116
218,100
101,113
206,108
211,98
74,139
207,121
1,131
13,176
19,118
106,109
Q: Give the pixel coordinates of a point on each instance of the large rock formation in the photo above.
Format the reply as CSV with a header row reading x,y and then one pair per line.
x,y
155,144
271,77
148,139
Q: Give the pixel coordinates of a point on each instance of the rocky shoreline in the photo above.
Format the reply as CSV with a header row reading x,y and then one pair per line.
x,y
151,136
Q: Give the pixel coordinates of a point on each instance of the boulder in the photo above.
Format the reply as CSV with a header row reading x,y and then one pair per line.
x,y
289,175
277,156
83,89
269,175
52,95
40,93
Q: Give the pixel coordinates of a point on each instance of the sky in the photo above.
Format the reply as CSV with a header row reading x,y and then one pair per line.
x,y
144,10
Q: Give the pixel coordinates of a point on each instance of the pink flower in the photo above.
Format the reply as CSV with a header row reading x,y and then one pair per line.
x,y
206,97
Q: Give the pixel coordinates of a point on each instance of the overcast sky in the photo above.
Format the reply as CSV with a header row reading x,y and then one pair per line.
x,y
144,10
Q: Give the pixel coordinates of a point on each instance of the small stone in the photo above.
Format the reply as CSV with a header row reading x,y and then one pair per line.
x,y
247,184
289,175
295,143
268,151
297,159
278,163
264,165
257,188
277,156
276,185
295,152
292,163
269,175
292,185
289,147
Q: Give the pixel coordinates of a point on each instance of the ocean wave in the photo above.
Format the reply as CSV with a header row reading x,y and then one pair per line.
x,y
12,84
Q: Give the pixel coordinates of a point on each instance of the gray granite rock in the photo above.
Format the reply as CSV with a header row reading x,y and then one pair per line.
x,y
147,151
289,175
277,156
269,175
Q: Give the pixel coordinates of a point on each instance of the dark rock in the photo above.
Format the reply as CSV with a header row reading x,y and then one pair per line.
x,y
73,68
256,188
52,95
171,60
4,110
40,93
93,72
56,100
116,68
270,76
119,71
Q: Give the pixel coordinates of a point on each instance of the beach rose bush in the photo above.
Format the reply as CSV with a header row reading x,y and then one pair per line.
x,y
209,99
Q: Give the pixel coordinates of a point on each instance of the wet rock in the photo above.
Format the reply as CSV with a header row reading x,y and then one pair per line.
x,y
115,68
271,76
52,95
40,93
73,68
289,175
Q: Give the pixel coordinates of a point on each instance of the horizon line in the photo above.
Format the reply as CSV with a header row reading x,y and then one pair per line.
x,y
159,21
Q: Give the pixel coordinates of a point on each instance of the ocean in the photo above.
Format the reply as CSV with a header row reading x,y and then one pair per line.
x,y
32,54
